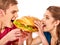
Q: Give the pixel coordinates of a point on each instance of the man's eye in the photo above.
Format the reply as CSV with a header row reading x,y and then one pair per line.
x,y
13,12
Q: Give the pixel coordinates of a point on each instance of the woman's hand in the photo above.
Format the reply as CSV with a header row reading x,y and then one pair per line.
x,y
39,25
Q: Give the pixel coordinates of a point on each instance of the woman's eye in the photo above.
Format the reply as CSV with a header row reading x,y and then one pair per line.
x,y
47,18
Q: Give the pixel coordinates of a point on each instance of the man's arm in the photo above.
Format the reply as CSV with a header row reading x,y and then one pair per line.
x,y
3,41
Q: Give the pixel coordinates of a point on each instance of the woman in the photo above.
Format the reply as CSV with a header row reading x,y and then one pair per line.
x,y
50,23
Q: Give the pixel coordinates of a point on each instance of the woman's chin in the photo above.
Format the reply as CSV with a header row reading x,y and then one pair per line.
x,y
45,29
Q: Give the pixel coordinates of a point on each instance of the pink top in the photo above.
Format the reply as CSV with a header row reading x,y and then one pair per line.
x,y
5,32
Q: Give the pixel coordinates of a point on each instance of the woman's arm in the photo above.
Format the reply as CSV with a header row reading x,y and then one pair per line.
x,y
36,41
43,39
33,41
39,25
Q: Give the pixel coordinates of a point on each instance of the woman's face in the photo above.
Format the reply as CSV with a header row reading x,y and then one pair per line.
x,y
49,22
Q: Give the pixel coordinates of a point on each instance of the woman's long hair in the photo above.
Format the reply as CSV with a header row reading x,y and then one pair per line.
x,y
55,11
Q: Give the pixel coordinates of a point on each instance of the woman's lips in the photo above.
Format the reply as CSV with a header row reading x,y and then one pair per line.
x,y
44,26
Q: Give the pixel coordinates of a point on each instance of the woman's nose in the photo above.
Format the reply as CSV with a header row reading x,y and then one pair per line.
x,y
43,21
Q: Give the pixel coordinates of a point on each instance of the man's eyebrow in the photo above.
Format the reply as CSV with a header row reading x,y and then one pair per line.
x,y
14,11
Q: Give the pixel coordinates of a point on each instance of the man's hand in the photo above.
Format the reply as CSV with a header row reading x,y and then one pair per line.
x,y
13,35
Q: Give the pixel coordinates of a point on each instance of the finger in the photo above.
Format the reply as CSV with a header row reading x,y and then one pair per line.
x,y
16,30
36,25
18,35
24,33
37,22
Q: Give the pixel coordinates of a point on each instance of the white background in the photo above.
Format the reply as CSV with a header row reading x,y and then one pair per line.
x,y
35,8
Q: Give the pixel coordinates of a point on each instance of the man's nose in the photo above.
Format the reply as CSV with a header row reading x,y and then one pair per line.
x,y
16,15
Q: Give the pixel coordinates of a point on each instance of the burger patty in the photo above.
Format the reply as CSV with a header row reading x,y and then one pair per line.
x,y
25,26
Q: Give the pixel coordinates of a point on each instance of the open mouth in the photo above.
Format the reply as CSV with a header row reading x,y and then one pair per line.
x,y
44,25
12,20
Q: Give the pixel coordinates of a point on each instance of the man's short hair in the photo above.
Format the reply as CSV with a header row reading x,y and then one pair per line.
x,y
4,4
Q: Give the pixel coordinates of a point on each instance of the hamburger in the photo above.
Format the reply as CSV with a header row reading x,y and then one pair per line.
x,y
26,23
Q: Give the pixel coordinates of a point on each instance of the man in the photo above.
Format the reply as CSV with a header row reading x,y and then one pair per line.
x,y
9,34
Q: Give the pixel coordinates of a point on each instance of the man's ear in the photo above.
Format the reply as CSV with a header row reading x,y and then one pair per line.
x,y
2,13
57,22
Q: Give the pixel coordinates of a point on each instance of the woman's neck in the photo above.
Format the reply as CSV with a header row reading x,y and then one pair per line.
x,y
54,37
53,33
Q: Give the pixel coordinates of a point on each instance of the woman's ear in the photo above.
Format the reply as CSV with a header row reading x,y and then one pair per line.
x,y
2,13
57,22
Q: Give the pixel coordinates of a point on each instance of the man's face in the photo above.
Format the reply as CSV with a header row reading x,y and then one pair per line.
x,y
10,14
